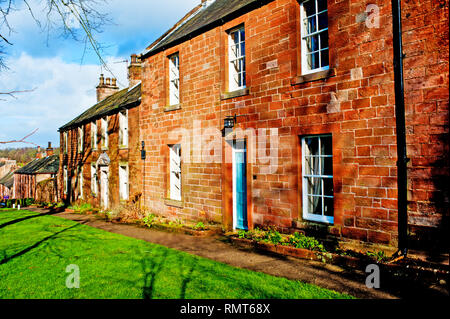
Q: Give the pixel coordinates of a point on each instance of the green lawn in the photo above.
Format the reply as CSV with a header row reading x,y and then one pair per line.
x,y
35,251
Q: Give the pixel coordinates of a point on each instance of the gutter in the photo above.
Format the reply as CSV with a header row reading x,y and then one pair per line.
x,y
402,157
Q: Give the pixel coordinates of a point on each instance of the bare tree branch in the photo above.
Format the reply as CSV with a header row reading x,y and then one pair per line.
x,y
13,93
23,140
73,17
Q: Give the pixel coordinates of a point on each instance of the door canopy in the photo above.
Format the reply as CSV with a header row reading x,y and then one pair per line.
x,y
103,160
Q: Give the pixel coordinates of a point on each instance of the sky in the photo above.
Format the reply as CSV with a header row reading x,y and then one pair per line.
x,y
61,76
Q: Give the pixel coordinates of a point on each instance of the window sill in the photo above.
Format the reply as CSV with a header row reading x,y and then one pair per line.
x,y
314,76
123,147
173,203
233,94
172,108
105,149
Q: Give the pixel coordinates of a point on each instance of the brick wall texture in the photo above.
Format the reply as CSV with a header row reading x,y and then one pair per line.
x,y
355,103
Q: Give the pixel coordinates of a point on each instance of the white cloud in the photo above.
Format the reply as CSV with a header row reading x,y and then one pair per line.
x,y
62,92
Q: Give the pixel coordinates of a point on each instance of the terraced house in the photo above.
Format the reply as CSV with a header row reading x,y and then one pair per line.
x,y
304,115
99,159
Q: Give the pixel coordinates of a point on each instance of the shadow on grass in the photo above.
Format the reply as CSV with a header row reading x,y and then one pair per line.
x,y
15,221
5,259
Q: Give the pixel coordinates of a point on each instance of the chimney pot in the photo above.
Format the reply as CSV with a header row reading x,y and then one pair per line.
x,y
102,80
114,82
108,81
133,58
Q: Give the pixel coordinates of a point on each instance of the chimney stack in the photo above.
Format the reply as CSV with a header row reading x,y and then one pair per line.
x,y
49,149
38,154
134,71
105,88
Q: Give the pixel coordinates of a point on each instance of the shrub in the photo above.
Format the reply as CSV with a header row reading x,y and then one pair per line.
x,y
149,220
199,226
379,256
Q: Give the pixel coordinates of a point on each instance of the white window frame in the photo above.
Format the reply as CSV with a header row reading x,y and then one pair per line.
x,y
66,181
105,137
236,60
80,139
80,182
174,79
66,144
124,185
94,182
175,169
94,132
123,128
304,35
305,175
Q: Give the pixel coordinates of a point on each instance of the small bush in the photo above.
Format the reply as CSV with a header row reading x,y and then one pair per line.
x,y
199,226
149,220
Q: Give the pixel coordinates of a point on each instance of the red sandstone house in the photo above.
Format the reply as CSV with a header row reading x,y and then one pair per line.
x,y
100,149
293,114
28,180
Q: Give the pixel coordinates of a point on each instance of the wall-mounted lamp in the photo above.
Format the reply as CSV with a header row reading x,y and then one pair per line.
x,y
228,124
143,153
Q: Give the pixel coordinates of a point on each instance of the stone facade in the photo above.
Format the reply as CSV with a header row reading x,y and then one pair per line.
x,y
354,102
74,159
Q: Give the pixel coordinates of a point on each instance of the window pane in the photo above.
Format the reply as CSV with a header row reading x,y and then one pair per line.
x,y
328,187
313,61
325,58
323,21
235,36
312,43
309,7
242,34
322,5
323,40
328,207
242,48
326,145
327,166
315,205
311,23
314,186
312,146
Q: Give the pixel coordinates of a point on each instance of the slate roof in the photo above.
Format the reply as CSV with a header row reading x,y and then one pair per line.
x,y
8,180
125,98
46,165
202,19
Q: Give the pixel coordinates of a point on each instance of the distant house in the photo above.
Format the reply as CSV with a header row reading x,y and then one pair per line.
x,y
100,149
27,178
6,185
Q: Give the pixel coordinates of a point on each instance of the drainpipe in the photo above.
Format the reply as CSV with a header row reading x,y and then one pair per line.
x,y
401,130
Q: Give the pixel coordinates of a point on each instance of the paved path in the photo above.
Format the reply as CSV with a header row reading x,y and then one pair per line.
x,y
219,249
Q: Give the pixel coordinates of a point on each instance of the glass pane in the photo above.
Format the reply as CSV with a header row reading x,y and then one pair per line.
x,y
323,40
312,27
326,145
312,146
244,80
242,49
323,21
327,166
314,186
315,205
313,61
237,50
328,207
235,36
325,58
242,35
313,43
322,5
328,187
309,7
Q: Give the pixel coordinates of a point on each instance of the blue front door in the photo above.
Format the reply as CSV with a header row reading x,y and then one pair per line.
x,y
240,189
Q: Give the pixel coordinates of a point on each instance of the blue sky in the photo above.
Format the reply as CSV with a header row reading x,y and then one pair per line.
x,y
64,86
